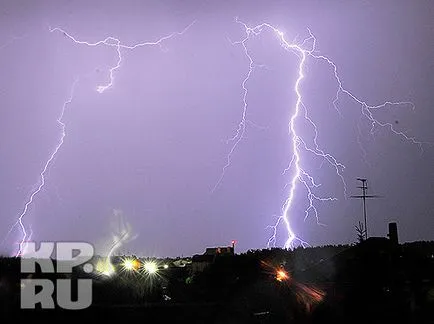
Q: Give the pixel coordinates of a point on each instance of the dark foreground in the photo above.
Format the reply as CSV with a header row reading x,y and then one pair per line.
x,y
372,282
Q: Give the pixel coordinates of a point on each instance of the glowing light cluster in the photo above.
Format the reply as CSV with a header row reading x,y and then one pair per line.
x,y
149,267
130,264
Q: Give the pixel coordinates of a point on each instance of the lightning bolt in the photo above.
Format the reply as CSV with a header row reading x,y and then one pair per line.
x,y
117,44
42,179
300,175
297,168
110,42
29,239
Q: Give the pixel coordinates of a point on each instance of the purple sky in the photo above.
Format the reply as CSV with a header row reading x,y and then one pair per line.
x,y
154,144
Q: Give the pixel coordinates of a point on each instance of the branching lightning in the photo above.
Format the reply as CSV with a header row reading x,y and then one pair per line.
x,y
20,220
115,42
300,175
111,42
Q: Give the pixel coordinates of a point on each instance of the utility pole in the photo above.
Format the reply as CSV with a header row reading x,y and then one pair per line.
x,y
363,196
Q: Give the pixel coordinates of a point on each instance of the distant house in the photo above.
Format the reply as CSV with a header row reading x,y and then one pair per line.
x,y
201,261
226,250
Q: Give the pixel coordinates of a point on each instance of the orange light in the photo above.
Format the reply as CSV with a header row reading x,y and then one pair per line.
x,y
281,275
130,264
136,264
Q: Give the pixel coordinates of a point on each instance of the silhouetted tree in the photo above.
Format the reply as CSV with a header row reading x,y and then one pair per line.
x,y
361,232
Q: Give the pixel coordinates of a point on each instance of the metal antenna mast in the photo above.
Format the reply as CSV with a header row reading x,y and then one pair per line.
x,y
364,195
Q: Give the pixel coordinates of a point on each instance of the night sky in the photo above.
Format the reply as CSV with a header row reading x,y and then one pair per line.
x,y
149,150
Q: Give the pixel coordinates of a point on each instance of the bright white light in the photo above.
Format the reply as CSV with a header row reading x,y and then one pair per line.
x,y
130,264
105,267
150,267
165,266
